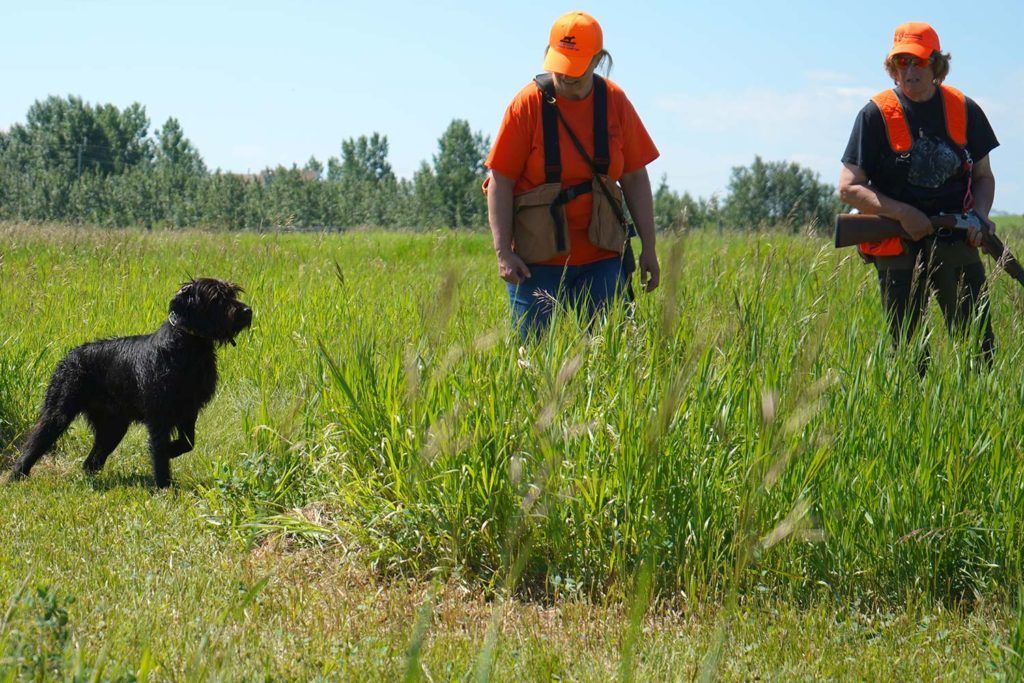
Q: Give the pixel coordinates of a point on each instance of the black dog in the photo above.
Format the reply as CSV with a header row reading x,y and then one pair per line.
x,y
161,379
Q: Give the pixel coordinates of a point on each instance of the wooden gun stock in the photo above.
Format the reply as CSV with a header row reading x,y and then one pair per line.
x,y
854,228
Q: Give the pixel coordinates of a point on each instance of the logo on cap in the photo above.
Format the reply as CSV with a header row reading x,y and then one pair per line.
x,y
568,43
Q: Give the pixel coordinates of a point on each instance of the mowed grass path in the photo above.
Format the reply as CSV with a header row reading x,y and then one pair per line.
x,y
151,588
156,594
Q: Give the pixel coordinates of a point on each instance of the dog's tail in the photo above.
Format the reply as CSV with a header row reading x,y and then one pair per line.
x,y
40,440
60,407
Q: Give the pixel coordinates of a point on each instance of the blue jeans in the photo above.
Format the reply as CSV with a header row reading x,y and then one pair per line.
x,y
591,285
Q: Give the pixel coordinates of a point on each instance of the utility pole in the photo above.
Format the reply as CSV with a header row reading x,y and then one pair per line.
x,y
81,148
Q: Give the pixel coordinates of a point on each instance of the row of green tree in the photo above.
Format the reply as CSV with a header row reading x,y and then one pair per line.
x,y
72,161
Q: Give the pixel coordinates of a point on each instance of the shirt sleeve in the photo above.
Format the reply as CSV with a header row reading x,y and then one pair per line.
x,y
638,149
513,142
863,149
981,139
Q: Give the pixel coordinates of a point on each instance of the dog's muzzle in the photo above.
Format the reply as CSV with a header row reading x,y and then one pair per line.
x,y
243,319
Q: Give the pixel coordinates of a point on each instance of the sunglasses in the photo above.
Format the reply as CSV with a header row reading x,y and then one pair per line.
x,y
904,61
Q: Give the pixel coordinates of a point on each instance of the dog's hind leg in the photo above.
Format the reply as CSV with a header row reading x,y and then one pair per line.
x,y
108,433
186,440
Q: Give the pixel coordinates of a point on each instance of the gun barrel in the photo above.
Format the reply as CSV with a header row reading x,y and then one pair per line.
x,y
994,247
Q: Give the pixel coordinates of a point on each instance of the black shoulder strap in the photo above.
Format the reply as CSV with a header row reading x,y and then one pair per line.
x,y
549,119
601,156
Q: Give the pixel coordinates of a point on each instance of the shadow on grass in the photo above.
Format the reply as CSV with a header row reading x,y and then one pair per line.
x,y
119,480
110,479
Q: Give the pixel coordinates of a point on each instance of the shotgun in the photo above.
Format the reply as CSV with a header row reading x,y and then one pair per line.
x,y
854,228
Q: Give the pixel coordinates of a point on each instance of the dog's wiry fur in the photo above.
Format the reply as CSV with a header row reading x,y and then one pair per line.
x,y
161,379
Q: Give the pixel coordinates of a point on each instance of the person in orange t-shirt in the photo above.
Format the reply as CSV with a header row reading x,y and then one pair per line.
x,y
587,275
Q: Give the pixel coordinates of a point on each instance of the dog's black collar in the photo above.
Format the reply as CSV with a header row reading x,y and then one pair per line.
x,y
176,323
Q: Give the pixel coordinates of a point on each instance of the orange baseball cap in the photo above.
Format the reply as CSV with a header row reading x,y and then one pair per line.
x,y
575,38
914,38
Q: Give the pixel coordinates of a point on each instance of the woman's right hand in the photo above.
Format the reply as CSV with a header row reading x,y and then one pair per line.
x,y
856,190
915,223
511,268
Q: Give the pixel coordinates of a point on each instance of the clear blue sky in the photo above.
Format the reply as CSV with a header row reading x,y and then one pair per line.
x,y
263,83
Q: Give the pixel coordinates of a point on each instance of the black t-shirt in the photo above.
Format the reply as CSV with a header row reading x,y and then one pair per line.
x,y
933,182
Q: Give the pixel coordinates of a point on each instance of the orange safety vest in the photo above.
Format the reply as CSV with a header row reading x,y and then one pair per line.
x,y
954,106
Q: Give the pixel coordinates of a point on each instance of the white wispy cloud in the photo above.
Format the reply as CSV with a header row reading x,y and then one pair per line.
x,y
826,76
766,110
862,94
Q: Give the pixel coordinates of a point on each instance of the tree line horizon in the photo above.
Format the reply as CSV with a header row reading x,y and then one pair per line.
x,y
72,161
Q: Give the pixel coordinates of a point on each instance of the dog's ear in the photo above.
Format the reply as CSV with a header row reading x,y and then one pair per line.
x,y
180,301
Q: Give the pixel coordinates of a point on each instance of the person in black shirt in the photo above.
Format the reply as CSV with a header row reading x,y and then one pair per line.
x,y
907,159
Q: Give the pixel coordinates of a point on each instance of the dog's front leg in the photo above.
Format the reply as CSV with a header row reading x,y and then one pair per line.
x,y
160,449
186,440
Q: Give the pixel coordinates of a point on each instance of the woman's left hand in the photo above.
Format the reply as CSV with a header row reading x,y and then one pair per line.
x,y
650,271
974,235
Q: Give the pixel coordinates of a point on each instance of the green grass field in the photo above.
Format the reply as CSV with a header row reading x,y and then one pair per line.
x,y
739,480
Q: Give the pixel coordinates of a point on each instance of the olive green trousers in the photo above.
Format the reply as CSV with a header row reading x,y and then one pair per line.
x,y
953,270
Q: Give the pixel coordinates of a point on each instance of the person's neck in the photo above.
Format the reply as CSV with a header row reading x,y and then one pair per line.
x,y
924,96
579,94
